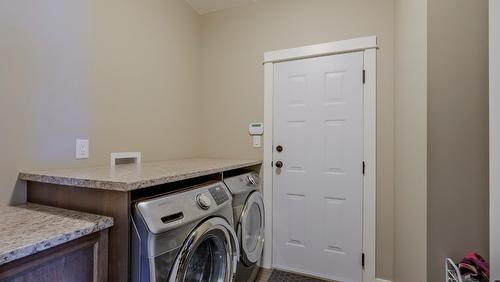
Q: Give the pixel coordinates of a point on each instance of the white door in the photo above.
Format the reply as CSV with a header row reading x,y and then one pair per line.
x,y
318,192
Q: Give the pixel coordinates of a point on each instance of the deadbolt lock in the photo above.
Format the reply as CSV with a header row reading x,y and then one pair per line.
x,y
279,148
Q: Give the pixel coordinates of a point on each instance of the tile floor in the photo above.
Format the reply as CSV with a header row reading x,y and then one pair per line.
x,y
266,275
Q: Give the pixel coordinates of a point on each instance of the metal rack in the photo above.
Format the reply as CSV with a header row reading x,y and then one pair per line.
x,y
452,271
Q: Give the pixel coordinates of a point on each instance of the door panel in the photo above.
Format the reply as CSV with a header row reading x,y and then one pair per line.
x,y
318,196
296,220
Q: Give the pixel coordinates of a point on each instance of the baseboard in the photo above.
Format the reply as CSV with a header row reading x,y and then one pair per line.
x,y
382,280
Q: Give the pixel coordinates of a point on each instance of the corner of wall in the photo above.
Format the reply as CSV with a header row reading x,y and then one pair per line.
x,y
410,176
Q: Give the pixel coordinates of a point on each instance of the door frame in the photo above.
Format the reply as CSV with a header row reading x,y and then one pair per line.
x,y
494,101
367,45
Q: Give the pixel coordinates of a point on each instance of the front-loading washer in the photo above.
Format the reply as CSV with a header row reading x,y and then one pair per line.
x,y
248,208
185,236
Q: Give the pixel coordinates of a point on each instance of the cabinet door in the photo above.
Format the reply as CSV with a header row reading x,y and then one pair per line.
x,y
82,260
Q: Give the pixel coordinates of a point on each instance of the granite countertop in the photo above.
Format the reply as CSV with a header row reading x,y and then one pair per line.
x,y
128,177
31,228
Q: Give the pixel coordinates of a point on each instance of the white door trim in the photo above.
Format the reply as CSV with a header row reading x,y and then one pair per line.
x,y
494,30
324,49
369,46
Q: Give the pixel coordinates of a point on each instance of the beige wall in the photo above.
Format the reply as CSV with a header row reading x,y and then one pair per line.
x,y
457,131
154,76
122,73
234,42
410,103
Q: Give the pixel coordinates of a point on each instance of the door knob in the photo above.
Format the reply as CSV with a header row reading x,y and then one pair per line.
x,y
279,148
279,164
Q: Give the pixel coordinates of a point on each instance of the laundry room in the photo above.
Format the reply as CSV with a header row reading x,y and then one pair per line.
x,y
249,140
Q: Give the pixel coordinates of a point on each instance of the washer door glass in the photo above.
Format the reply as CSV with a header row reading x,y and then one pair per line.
x,y
207,254
208,261
252,228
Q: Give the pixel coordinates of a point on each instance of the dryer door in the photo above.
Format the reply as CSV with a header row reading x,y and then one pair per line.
x,y
209,254
251,229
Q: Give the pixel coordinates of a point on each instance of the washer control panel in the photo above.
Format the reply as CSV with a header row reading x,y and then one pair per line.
x,y
169,211
219,194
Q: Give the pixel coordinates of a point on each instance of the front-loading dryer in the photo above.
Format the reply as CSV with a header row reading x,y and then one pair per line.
x,y
248,208
186,236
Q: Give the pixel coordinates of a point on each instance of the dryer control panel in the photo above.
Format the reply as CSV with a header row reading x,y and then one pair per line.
x,y
243,183
219,194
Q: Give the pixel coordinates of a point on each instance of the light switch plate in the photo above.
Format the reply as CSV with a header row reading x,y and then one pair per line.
x,y
82,149
257,141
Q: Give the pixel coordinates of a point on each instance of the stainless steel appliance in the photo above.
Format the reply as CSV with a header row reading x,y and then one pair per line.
x,y
185,236
248,209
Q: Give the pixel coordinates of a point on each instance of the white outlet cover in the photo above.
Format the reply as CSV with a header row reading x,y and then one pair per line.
x,y
82,149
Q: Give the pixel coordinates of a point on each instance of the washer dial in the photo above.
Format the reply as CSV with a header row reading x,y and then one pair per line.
x,y
203,201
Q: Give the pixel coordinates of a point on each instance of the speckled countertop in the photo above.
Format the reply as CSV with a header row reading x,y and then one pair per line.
x,y
30,228
131,176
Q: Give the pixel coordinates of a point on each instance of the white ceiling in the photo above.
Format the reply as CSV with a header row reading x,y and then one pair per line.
x,y
207,6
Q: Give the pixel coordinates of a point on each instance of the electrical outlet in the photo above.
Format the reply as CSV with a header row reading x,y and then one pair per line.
x,y
82,149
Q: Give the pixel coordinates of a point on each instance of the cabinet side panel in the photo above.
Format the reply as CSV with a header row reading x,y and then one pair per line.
x,y
115,204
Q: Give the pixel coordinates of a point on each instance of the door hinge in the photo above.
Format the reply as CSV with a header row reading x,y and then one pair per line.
x,y
364,76
363,260
364,168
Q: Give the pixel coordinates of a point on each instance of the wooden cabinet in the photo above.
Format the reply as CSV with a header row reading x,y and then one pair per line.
x,y
116,204
82,260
